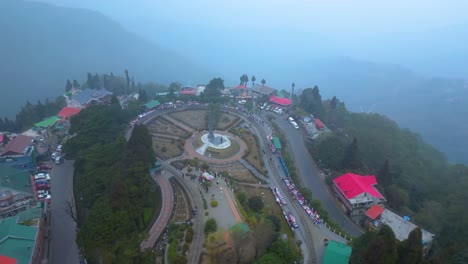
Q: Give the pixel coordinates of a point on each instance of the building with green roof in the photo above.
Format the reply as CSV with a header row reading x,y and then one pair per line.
x,y
15,179
152,104
47,122
276,143
337,253
17,241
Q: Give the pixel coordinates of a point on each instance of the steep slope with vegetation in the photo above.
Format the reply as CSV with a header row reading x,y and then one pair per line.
x,y
42,45
110,177
416,179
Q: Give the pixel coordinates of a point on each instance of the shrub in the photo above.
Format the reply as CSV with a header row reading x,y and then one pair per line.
x,y
189,235
214,203
242,197
255,203
185,248
210,226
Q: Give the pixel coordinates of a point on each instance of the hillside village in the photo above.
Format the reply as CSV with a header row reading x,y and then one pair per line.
x,y
27,159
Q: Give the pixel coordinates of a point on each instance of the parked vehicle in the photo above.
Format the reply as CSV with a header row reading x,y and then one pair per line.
x,y
44,167
58,160
54,155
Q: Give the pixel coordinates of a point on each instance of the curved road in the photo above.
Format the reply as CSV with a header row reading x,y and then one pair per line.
x,y
310,176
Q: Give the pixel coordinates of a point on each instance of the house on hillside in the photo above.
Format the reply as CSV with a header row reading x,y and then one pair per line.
x,y
20,153
357,194
16,191
22,237
377,216
87,97
187,91
67,112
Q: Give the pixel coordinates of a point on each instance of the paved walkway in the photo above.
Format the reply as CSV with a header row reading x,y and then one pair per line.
x,y
167,206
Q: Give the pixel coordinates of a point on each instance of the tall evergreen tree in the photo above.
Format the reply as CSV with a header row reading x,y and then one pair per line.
x,y
384,177
68,86
75,84
127,78
351,159
333,102
263,82
292,89
89,81
253,80
96,82
411,250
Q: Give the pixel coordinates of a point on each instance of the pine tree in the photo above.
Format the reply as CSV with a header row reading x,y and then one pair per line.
x,y
68,86
128,79
351,159
411,250
253,80
75,84
384,177
333,102
263,82
89,81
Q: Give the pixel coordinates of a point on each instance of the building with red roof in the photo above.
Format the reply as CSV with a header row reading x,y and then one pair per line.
x,y
283,101
318,124
357,193
17,145
187,91
374,212
68,112
7,260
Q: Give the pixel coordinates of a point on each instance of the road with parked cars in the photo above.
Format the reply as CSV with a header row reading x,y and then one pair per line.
x,y
311,176
63,248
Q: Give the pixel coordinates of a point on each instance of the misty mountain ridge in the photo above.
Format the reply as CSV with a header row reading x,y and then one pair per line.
x,y
44,45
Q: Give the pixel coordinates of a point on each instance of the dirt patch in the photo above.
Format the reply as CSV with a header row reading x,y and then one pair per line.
x,y
226,121
195,119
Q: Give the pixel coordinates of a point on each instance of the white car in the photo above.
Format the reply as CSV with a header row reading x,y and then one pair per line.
x,y
54,155
41,176
295,125
290,119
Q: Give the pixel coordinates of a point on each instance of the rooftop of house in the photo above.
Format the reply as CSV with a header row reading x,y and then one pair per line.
x,y
87,95
47,122
337,253
402,227
14,179
152,104
17,241
352,185
17,145
262,89
67,112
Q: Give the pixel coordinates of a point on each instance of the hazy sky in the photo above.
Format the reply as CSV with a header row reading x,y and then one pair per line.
x,y
369,16
224,33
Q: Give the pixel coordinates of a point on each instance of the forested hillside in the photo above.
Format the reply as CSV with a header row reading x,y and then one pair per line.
x,y
415,178
433,107
110,177
43,45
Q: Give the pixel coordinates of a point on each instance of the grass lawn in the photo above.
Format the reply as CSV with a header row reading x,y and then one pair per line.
x,y
271,207
239,173
226,120
195,119
253,157
224,153
166,148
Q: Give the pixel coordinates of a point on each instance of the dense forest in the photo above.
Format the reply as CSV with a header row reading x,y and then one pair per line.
x,y
31,114
110,176
416,179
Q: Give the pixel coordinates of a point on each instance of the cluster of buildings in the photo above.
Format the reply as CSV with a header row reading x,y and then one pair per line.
x,y
365,205
23,217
